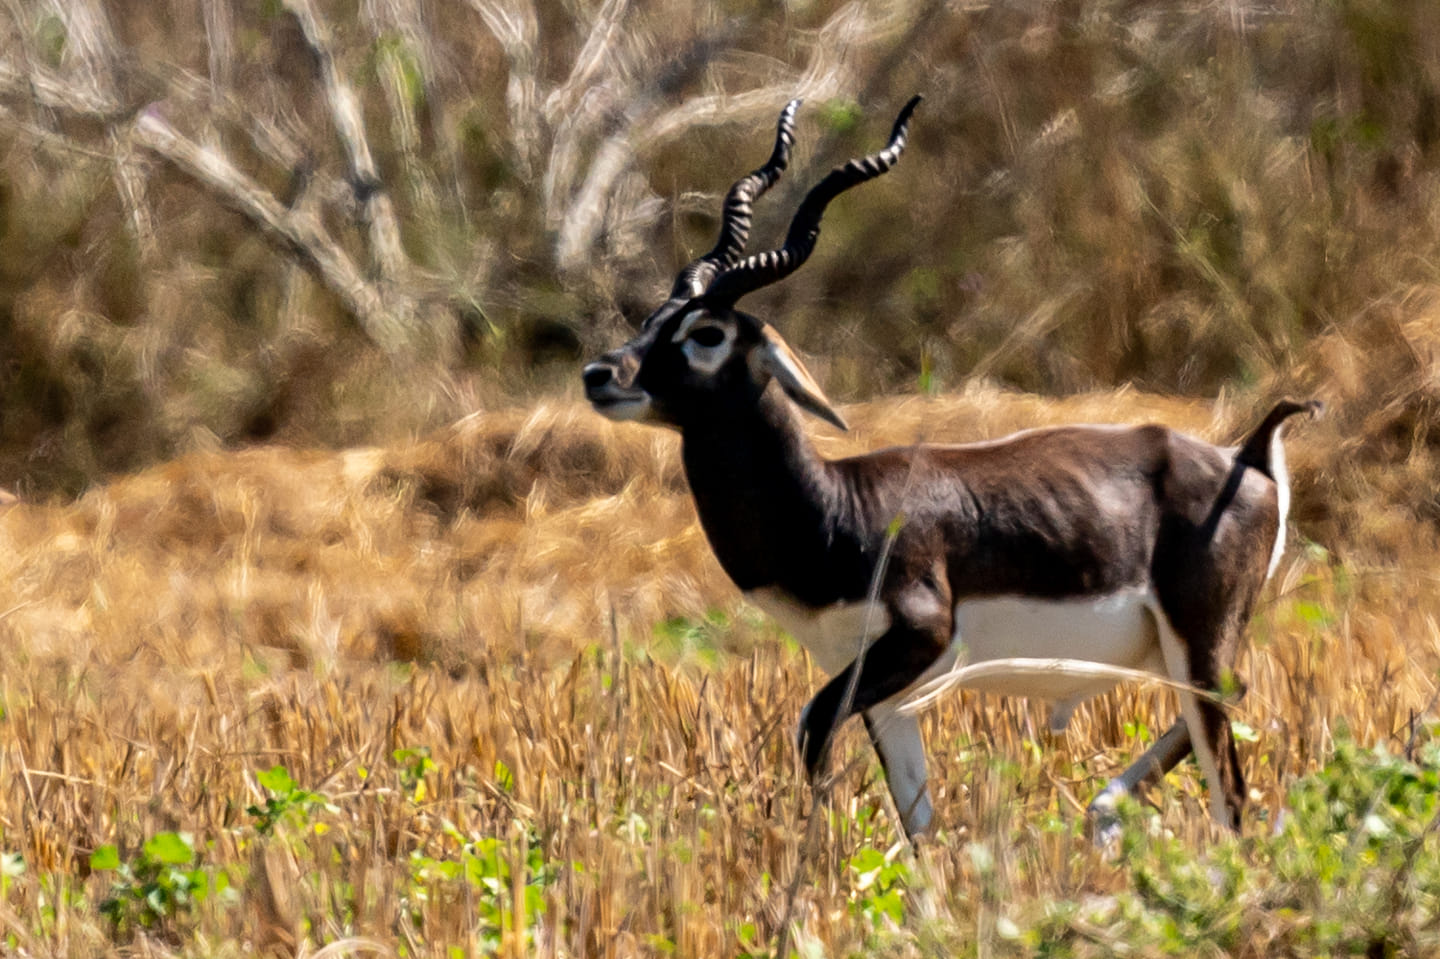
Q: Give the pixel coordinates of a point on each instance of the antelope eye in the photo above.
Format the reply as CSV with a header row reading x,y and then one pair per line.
x,y
708,336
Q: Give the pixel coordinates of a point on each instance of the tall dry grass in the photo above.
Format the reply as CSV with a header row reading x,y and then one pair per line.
x,y
488,598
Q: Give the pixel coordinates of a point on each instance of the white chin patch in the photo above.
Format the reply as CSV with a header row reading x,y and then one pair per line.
x,y
637,410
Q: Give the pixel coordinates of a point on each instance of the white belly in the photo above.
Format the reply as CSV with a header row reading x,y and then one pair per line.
x,y
1116,629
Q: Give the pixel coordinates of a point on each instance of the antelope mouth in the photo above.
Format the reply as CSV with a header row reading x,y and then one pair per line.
x,y
621,406
610,398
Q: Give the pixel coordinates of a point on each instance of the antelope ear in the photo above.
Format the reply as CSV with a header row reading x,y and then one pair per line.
x,y
780,361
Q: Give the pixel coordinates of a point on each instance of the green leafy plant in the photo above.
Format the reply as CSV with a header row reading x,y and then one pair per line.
x,y
685,639
413,763
286,802
1351,867
12,867
878,881
487,869
158,886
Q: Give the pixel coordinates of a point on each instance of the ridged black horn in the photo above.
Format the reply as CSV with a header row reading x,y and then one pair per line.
x,y
762,269
736,213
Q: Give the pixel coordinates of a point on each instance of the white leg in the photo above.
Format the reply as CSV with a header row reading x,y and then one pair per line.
x,y
897,739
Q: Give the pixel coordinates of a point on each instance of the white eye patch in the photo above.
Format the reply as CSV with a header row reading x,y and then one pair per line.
x,y
705,342
686,322
708,347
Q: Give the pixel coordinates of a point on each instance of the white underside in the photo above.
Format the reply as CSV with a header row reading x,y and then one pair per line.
x,y
1125,629
1116,629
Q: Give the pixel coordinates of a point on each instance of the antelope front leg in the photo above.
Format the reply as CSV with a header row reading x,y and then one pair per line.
x,y
894,662
919,634
897,740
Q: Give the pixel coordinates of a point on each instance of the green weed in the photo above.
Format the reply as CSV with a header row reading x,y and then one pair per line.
x,y
158,887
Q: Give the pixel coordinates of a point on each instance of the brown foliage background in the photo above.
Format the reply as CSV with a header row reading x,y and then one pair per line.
x,y
1186,200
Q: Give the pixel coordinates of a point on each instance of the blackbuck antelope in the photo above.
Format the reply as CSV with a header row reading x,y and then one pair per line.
x,y
1129,548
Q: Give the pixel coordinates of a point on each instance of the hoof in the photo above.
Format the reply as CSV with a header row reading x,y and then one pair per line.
x,y
1103,820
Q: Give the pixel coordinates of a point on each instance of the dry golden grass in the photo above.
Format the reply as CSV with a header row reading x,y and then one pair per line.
x,y
491,595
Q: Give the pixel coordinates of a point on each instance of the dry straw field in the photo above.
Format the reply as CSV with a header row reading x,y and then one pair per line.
x,y
332,623
518,709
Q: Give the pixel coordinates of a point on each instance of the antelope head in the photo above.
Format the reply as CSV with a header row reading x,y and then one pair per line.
x,y
697,354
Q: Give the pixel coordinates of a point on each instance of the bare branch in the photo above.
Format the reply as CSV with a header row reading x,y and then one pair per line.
x,y
386,251
90,84
90,46
220,35
515,27
386,313
49,138
634,109
51,92
130,184
404,61
593,56
590,206
300,231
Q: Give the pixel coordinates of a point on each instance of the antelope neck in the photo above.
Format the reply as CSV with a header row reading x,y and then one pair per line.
x,y
772,508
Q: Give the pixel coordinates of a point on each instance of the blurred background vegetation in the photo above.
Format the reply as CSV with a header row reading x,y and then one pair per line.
x,y
327,223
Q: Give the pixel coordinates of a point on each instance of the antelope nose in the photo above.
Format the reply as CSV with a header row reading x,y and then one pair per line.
x,y
597,375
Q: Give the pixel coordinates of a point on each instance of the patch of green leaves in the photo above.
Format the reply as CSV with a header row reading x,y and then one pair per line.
x,y
413,763
690,640
1354,869
488,871
393,54
286,802
12,867
51,39
841,115
158,887
877,884
1137,730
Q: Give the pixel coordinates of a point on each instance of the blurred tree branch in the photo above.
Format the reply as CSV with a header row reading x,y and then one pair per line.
x,y
444,193
300,230
384,300
576,144
618,101
388,256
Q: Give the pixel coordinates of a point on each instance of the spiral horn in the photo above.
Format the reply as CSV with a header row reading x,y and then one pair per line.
x,y
763,269
737,212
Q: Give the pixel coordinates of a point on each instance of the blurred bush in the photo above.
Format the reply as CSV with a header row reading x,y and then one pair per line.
x,y
329,223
